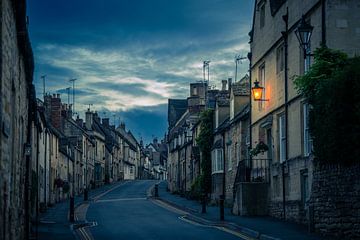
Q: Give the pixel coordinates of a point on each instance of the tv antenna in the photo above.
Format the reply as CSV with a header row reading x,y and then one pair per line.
x,y
238,59
73,82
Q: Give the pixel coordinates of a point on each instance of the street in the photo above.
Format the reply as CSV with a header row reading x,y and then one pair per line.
x,y
126,213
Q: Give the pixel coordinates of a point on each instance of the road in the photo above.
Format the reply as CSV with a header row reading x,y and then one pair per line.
x,y
126,213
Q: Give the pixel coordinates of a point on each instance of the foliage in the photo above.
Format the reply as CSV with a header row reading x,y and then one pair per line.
x,y
66,187
332,88
204,141
196,188
261,147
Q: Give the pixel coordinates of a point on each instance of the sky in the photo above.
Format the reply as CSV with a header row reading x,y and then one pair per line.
x,y
130,56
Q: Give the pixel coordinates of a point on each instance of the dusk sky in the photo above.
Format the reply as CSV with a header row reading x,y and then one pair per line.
x,y
130,56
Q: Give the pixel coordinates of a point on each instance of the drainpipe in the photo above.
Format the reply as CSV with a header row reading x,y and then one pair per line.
x,y
285,36
222,196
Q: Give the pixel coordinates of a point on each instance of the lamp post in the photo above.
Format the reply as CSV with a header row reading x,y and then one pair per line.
x,y
303,33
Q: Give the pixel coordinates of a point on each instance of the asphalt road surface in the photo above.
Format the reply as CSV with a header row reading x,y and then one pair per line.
x,y
126,213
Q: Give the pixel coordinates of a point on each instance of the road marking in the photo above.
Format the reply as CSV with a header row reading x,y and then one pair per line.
x,y
95,199
183,218
168,207
240,235
120,199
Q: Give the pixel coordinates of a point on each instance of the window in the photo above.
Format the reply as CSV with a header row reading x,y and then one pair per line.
x,y
262,84
307,59
280,56
262,15
304,186
307,140
217,161
195,92
282,138
229,158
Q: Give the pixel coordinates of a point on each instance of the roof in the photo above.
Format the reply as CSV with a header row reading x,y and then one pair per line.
x,y
243,114
176,108
242,87
223,126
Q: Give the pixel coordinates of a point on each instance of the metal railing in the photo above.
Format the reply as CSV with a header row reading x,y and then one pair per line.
x,y
253,170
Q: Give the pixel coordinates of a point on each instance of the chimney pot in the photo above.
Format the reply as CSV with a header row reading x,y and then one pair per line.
x,y
224,82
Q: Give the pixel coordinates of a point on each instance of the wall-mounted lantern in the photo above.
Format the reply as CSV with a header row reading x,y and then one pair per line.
x,y
257,92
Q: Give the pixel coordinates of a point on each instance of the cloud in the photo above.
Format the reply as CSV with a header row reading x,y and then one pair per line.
x,y
131,56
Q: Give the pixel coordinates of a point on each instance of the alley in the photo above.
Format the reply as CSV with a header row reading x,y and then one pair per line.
x,y
126,213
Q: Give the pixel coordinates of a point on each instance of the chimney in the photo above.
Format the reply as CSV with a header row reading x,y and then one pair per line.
x,y
155,140
79,122
122,125
55,113
88,119
105,122
229,83
223,82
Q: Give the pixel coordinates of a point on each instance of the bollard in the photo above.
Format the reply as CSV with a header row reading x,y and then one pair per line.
x,y
72,209
156,190
86,194
203,203
222,207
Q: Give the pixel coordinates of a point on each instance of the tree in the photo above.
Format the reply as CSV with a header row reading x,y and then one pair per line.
x,y
332,88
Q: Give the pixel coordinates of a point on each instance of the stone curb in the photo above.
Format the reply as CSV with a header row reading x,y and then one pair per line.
x,y
232,226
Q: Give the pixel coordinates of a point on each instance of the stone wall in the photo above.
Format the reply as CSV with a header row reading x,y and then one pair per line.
x,y
335,198
14,85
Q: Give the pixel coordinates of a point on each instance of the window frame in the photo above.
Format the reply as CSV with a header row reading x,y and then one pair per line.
x,y
282,138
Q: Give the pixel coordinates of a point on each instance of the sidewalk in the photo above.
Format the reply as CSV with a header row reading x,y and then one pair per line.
x,y
54,223
256,227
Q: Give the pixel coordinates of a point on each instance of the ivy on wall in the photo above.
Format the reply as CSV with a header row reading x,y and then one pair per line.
x,y
332,88
204,141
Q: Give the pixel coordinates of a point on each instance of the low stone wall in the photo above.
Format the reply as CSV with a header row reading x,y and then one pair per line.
x,y
294,211
335,198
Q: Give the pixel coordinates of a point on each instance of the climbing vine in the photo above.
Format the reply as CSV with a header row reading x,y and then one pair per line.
x,y
204,141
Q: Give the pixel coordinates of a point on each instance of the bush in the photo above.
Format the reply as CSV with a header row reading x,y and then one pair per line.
x,y
332,88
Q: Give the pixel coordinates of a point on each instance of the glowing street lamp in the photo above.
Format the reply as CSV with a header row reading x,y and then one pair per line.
x,y
257,92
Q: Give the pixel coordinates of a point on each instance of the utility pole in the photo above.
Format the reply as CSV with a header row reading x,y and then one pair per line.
x,y
238,59
73,82
43,78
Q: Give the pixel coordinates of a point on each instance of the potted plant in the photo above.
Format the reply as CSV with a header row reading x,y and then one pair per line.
x,y
261,147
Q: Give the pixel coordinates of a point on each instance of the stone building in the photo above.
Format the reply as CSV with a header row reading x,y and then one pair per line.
x,y
182,116
281,121
17,97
